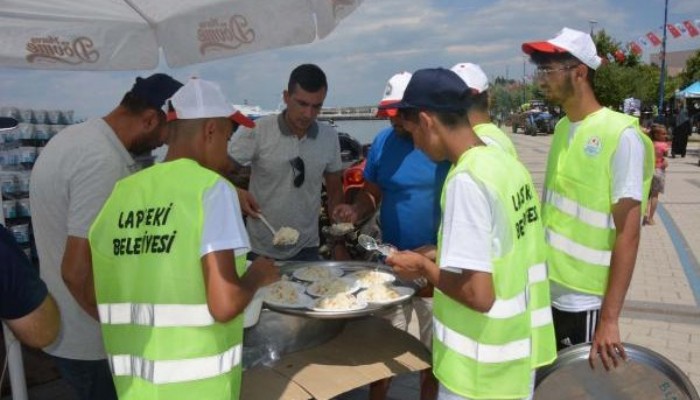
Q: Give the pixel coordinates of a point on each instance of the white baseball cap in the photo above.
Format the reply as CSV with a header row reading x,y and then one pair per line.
x,y
199,98
393,93
473,76
578,44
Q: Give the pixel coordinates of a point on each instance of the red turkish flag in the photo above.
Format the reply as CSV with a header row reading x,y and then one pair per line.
x,y
655,41
673,30
619,56
691,28
636,49
681,28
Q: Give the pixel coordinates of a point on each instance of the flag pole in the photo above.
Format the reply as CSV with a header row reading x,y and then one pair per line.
x,y
662,78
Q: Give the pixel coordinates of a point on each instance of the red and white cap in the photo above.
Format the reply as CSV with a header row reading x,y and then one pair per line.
x,y
393,93
199,98
578,44
473,76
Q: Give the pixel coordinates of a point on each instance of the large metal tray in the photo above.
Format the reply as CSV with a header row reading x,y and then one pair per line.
x,y
348,267
646,375
277,334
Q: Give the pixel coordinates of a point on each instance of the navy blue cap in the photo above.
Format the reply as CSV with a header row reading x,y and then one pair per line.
x,y
155,89
435,89
7,123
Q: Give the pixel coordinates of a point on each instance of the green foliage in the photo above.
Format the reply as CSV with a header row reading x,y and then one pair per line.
x,y
691,72
607,45
507,95
615,81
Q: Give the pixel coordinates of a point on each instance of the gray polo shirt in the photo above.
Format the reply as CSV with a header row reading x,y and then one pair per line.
x,y
268,148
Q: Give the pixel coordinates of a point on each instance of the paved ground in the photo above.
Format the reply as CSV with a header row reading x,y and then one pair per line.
x,y
662,311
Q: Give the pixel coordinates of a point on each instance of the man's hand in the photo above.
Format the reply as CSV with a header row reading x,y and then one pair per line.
x,y
429,251
249,205
408,265
345,213
607,344
262,272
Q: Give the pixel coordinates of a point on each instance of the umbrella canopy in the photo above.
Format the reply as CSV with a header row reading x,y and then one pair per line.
x,y
129,34
690,91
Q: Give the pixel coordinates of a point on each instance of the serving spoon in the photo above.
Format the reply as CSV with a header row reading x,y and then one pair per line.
x,y
277,235
370,244
267,224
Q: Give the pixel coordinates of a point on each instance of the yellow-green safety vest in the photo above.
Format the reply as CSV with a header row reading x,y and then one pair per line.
x,y
161,340
495,133
577,211
492,355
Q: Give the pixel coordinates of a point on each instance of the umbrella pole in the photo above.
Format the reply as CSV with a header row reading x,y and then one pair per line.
x,y
15,366
662,78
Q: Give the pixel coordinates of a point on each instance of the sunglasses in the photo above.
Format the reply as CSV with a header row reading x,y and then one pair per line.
x,y
298,170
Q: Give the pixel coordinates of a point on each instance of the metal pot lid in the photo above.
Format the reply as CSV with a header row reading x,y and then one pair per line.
x,y
646,375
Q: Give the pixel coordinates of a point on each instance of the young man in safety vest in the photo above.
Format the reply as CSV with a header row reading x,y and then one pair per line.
x,y
401,180
478,112
492,318
598,177
168,253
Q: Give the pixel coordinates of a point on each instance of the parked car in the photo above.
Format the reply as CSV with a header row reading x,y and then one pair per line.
x,y
534,117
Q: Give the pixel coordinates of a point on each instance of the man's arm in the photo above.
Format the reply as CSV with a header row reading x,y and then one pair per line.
x,y
334,189
364,205
472,288
334,192
76,270
227,293
606,342
40,327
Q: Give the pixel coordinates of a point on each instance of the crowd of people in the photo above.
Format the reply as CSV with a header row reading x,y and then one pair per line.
x,y
149,271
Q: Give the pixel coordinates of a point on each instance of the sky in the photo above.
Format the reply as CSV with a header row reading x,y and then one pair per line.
x,y
379,39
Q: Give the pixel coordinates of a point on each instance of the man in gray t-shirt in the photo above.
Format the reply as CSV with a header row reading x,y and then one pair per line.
x,y
70,181
291,155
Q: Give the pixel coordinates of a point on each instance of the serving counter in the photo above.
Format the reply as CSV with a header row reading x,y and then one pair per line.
x,y
365,350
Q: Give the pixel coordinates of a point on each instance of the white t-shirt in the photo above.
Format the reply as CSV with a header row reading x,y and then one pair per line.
x,y
70,182
627,182
473,230
223,224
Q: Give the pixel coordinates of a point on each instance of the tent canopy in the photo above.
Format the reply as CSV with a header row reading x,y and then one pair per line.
x,y
691,91
130,34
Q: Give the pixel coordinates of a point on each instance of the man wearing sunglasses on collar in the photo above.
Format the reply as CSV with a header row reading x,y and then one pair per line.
x,y
598,177
290,156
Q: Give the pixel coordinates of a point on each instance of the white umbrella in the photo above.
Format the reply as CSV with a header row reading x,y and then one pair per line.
x,y
129,34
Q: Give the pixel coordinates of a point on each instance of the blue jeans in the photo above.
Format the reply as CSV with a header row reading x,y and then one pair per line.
x,y
90,379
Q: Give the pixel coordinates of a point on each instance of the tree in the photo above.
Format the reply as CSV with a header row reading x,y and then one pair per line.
x,y
691,72
606,46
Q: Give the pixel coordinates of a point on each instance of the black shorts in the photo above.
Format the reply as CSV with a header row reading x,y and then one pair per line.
x,y
574,327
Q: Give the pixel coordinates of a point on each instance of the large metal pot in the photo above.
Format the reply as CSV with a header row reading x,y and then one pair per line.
x,y
646,375
277,334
